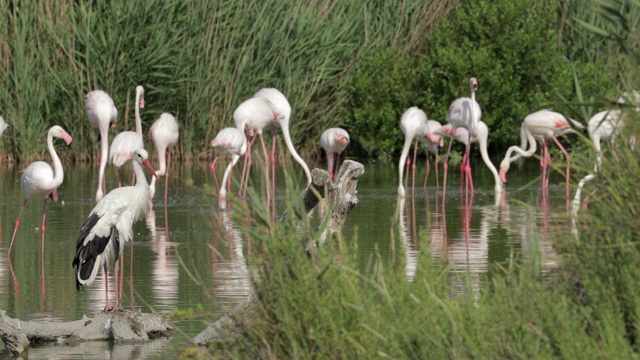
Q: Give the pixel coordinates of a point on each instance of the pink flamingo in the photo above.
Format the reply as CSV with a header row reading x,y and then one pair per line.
x,y
40,179
3,127
465,113
255,114
543,124
102,114
164,133
462,135
109,226
282,107
126,142
334,141
228,141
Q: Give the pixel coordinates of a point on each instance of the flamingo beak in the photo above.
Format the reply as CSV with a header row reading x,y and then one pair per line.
x,y
141,102
54,195
67,139
147,164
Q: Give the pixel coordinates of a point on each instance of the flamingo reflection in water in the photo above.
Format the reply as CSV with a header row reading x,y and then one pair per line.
x,y
231,278
165,271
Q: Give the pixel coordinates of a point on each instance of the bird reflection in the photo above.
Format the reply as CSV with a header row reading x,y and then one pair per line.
x,y
410,248
164,268
231,279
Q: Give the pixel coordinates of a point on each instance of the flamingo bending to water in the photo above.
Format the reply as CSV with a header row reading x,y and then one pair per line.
x,y
102,114
109,226
228,141
462,135
542,125
164,133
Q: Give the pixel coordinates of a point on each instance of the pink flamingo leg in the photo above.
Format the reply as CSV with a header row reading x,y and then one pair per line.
x,y
413,169
244,179
215,178
266,173
42,228
15,228
445,167
426,174
568,159
273,169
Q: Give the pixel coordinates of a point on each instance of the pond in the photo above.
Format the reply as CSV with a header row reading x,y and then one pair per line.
x,y
199,265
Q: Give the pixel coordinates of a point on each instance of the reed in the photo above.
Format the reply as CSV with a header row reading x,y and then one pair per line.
x,y
197,60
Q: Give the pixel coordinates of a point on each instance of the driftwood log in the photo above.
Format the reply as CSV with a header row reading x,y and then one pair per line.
x,y
119,326
229,327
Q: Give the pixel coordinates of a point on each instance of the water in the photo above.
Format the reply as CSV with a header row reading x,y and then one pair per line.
x,y
199,264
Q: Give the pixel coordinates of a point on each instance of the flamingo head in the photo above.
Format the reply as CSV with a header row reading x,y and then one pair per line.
x,y
474,84
140,94
504,167
342,139
58,132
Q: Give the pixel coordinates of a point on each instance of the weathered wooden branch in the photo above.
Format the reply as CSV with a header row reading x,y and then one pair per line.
x,y
228,328
118,326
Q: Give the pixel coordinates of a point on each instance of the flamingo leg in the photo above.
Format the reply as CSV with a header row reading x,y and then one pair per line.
x,y
273,168
246,166
568,159
266,173
413,169
215,178
437,175
166,194
15,228
337,166
445,166
42,227
426,174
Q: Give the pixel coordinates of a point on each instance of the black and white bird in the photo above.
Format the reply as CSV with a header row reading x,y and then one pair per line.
x,y
109,226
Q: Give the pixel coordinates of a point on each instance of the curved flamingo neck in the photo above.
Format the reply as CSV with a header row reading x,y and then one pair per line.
x,y
104,153
408,139
485,157
137,114
508,159
162,160
284,124
58,173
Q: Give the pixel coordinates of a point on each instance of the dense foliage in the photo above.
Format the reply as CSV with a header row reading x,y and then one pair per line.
x,y
197,60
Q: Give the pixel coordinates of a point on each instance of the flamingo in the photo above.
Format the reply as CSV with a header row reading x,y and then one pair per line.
x,y
334,141
228,141
462,135
255,114
102,114
542,124
40,179
412,125
164,133
126,142
282,107
110,225
465,113
3,127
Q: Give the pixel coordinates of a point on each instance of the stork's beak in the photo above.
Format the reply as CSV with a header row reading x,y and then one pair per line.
x,y
147,164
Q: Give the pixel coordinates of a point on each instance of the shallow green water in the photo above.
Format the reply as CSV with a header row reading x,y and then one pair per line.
x,y
199,263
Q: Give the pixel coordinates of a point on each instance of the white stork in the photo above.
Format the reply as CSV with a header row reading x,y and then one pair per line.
x,y
109,226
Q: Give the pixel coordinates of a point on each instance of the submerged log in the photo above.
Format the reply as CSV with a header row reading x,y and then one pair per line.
x,y
118,326
229,327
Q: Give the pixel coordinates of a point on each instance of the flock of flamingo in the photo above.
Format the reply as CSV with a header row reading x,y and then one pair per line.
x,y
465,125
109,225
